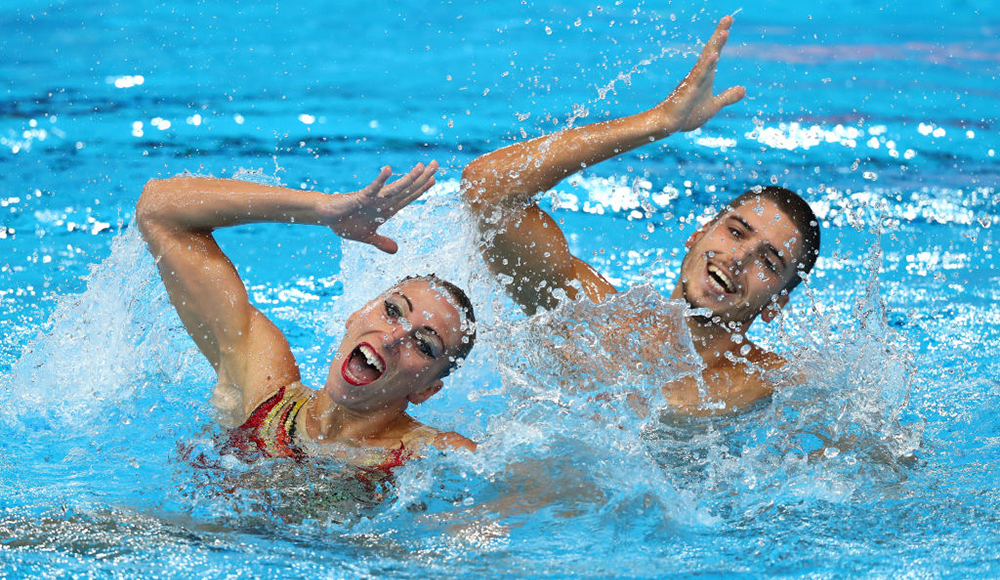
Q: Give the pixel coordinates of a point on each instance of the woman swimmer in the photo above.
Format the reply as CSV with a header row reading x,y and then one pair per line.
x,y
395,350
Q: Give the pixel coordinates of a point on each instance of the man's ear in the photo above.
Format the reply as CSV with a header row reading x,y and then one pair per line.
x,y
772,310
425,393
696,235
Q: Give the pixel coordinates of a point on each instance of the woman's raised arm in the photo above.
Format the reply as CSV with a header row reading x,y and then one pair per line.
x,y
177,217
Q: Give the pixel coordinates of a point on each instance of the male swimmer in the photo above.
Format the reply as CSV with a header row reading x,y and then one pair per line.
x,y
395,350
738,267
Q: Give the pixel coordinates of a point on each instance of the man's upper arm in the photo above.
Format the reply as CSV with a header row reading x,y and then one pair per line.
x,y
526,246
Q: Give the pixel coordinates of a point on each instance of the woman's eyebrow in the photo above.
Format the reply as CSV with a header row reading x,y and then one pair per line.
x,y
404,297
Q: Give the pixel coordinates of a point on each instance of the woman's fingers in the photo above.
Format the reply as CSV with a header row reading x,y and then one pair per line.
x,y
387,245
415,193
710,54
415,188
403,182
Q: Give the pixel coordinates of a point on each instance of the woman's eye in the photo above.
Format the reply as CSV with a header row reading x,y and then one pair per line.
x,y
391,310
424,346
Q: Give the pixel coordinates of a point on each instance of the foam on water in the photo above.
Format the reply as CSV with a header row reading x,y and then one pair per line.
x,y
559,431
566,463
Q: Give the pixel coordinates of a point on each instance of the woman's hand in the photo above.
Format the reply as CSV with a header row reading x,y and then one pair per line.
x,y
357,215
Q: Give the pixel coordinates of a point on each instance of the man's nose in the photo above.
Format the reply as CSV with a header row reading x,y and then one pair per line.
x,y
742,253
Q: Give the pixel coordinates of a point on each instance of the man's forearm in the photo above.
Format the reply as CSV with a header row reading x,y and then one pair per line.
x,y
518,172
200,204
514,174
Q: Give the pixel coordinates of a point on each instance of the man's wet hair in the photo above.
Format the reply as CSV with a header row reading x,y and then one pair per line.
x,y
796,208
461,300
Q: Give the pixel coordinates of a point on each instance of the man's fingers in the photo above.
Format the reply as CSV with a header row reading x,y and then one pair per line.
x,y
377,185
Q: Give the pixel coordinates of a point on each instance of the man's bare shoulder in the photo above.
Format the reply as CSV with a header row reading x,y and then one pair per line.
x,y
764,359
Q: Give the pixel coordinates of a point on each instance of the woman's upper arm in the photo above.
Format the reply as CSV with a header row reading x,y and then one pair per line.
x,y
212,302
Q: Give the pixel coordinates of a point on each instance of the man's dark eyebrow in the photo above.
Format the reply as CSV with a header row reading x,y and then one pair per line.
x,y
743,222
767,245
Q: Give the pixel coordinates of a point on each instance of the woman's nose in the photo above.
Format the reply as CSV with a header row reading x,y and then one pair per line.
x,y
396,335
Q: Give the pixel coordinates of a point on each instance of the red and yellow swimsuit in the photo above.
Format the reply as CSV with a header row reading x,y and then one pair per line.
x,y
271,432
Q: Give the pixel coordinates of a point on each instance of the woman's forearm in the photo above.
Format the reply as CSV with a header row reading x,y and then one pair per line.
x,y
201,203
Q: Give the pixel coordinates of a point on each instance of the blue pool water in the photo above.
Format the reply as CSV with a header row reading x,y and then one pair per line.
x,y
884,463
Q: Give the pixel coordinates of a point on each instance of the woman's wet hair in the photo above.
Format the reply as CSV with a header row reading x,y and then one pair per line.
x,y
796,208
460,300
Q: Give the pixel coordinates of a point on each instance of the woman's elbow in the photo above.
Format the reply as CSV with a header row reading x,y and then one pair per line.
x,y
150,201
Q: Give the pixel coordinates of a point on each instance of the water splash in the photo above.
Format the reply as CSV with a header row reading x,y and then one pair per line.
x,y
101,348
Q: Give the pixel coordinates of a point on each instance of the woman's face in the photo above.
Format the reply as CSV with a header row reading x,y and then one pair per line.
x,y
396,347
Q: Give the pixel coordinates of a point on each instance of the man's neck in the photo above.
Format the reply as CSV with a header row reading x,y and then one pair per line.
x,y
713,340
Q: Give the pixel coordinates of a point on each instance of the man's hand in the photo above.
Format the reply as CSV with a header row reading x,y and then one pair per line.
x,y
691,104
357,215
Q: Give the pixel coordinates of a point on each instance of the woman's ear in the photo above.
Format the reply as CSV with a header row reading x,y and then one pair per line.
x,y
425,393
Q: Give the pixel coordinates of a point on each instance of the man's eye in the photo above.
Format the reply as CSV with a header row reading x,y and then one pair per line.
x,y
391,310
735,232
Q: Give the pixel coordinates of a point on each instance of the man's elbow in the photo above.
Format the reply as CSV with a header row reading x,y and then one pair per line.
x,y
476,179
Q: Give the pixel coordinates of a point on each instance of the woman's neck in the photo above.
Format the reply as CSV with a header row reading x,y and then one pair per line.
x,y
328,422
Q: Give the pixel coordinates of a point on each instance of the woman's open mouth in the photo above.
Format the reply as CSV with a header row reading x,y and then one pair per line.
x,y
363,366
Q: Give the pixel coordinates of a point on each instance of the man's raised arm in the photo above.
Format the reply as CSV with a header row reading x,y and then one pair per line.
x,y
523,243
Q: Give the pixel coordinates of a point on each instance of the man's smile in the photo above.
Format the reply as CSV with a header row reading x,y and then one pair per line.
x,y
720,279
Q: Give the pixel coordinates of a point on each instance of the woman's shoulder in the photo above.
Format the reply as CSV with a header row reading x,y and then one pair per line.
x,y
420,435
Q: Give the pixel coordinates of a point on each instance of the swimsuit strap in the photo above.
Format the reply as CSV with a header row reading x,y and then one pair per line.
x,y
419,436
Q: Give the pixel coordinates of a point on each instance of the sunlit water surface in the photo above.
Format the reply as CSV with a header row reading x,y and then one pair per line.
x,y
883,462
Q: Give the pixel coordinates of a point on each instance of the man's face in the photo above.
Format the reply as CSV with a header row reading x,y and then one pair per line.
x,y
738,263
395,348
